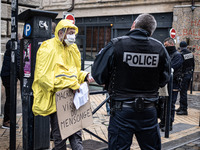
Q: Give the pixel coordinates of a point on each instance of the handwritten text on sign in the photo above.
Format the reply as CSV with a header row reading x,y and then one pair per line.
x,y
70,119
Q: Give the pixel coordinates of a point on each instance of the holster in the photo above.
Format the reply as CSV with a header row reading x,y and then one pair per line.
x,y
160,107
138,104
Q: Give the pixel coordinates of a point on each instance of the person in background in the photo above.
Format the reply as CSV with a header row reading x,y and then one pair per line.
x,y
58,66
5,77
133,67
53,26
187,70
176,64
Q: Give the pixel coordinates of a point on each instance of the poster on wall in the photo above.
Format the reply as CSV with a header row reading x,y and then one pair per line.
x,y
27,59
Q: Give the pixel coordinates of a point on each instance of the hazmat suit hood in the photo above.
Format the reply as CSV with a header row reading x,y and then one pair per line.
x,y
65,23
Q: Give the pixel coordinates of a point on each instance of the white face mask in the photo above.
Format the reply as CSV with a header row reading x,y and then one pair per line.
x,y
71,38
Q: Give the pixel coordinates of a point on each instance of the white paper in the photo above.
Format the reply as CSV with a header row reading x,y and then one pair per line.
x,y
81,97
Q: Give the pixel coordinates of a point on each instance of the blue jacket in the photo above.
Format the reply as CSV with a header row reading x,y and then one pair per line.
x,y
176,64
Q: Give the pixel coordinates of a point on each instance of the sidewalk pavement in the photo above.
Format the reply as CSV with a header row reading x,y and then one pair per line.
x,y
185,133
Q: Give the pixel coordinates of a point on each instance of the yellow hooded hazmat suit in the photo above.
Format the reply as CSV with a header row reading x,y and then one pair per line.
x,y
57,67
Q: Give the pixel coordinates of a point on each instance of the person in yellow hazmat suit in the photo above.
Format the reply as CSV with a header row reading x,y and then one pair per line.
x,y
58,66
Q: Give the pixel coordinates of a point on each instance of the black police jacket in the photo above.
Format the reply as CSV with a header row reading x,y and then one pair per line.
x,y
188,64
5,71
176,60
177,65
134,65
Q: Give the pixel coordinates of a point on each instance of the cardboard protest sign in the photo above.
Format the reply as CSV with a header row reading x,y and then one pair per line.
x,y
70,119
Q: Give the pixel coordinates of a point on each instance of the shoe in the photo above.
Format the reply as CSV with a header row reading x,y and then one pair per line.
x,y
179,109
170,127
163,129
6,125
161,125
182,112
17,126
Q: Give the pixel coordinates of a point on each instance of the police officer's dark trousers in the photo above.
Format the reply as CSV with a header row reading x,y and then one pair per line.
x,y
126,122
183,92
176,89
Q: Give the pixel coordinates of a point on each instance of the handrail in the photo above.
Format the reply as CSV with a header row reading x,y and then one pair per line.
x,y
98,107
98,92
88,66
95,110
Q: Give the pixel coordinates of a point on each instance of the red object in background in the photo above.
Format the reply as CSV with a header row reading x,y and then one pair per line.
x,y
70,17
172,33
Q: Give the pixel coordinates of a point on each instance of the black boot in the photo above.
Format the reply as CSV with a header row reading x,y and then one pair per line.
x,y
170,127
182,112
179,109
161,125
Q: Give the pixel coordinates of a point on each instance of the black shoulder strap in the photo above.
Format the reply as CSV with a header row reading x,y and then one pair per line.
x,y
114,40
175,53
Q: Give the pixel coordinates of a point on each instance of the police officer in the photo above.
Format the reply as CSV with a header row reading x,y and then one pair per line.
x,y
187,70
176,64
133,67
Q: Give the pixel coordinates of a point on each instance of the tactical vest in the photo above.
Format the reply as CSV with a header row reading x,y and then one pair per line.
x,y
188,64
137,65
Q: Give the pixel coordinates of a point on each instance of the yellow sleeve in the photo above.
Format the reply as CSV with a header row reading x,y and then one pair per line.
x,y
44,76
82,76
43,84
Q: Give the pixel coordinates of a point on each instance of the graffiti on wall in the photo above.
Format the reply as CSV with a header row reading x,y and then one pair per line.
x,y
192,33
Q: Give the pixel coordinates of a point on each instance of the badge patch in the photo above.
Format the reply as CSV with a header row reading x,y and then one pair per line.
x,y
141,59
188,56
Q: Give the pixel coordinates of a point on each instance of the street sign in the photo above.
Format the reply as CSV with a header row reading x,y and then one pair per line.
x,y
172,33
70,17
27,29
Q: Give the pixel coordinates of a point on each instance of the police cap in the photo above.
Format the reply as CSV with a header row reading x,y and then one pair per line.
x,y
183,44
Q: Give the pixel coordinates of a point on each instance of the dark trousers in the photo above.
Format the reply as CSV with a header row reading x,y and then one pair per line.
x,y
174,98
6,84
183,92
127,122
75,139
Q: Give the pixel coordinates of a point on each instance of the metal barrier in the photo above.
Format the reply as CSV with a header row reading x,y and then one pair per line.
x,y
168,106
95,110
167,113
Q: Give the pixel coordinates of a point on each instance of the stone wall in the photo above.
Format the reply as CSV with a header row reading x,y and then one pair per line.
x,y
6,15
89,8
5,36
186,22
187,25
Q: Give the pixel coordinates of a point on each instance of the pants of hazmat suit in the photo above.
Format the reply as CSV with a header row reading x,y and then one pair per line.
x,y
75,139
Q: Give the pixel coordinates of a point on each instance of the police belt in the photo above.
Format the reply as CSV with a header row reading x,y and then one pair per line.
x,y
188,72
138,104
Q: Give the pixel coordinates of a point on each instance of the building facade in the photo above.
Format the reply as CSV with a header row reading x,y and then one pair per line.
x,y
101,20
